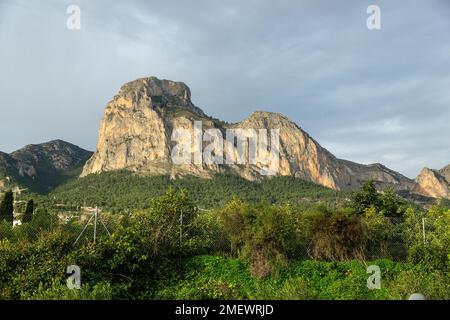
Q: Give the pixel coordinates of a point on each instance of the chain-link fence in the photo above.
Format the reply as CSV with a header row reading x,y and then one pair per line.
x,y
384,237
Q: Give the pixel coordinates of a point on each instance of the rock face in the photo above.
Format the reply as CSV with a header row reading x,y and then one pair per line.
x,y
445,172
137,126
303,157
41,167
435,183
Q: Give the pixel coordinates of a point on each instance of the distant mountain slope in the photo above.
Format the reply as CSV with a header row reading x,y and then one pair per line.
x,y
136,129
7,170
41,167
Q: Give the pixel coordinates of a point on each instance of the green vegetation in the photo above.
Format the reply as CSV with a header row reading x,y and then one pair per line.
x,y
28,214
119,191
7,207
387,203
169,249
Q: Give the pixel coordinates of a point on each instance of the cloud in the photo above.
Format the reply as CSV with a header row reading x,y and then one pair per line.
x,y
368,96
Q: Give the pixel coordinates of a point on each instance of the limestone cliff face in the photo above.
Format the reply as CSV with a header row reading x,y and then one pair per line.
x,y
445,172
435,183
136,129
303,157
135,133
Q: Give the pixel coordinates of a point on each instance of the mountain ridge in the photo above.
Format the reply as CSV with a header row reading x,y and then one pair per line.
x,y
135,135
41,167
136,129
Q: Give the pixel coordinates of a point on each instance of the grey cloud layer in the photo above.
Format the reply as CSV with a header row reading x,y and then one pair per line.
x,y
368,96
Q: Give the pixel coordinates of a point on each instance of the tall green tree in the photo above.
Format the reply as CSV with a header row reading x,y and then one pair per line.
x,y
366,197
7,207
391,204
28,215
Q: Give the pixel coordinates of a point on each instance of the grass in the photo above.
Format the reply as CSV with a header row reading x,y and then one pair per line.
x,y
216,277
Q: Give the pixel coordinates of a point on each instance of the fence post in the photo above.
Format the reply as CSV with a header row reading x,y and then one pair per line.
x,y
423,232
181,228
95,224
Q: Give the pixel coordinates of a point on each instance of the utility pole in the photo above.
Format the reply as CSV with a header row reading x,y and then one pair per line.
x,y
95,223
181,228
423,232
96,218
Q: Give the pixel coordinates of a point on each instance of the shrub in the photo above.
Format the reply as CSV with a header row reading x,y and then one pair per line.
x,y
263,234
338,237
26,266
168,224
434,285
429,256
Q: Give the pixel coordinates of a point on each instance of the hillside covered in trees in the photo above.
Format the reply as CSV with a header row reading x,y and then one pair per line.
x,y
121,190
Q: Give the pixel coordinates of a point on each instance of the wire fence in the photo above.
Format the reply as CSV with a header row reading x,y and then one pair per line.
x,y
390,238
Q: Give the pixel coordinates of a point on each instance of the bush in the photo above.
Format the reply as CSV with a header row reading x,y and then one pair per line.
x,y
26,266
434,285
208,236
168,224
263,234
6,230
429,256
338,237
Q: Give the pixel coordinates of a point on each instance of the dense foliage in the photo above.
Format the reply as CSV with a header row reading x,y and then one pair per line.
x,y
171,249
7,207
28,214
120,190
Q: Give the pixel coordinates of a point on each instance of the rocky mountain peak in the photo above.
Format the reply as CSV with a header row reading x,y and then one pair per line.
x,y
136,130
157,94
41,166
59,154
266,118
435,183
445,172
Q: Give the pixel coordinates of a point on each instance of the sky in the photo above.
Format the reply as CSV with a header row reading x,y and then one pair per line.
x,y
369,96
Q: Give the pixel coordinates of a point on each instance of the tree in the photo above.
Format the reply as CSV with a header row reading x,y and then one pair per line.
x,y
167,225
7,207
380,230
28,215
390,204
366,197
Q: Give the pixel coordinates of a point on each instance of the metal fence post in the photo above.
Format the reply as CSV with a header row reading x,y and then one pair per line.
x,y
423,232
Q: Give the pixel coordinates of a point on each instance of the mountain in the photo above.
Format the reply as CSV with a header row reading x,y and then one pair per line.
x,y
41,167
436,183
445,172
139,122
